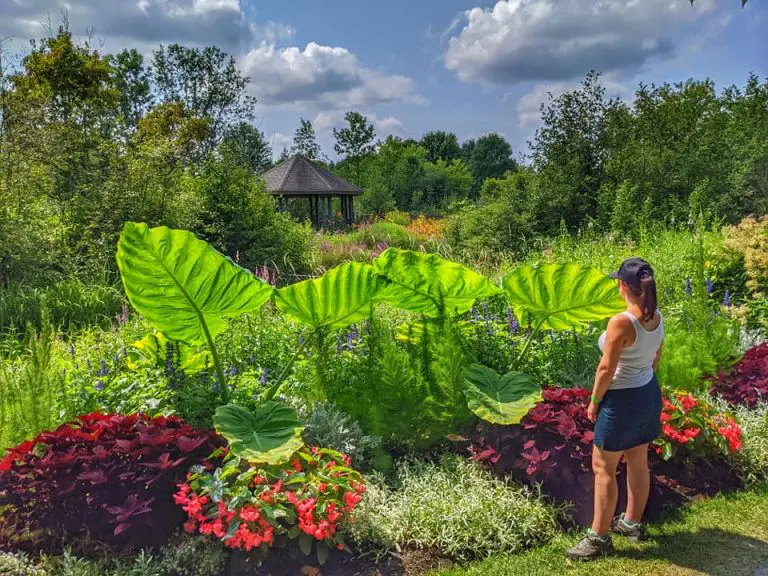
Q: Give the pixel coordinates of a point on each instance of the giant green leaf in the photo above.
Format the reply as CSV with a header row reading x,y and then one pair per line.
x,y
181,284
500,399
268,435
562,296
152,350
341,296
429,285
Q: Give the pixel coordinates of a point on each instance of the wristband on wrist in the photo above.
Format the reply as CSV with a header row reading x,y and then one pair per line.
x,y
595,400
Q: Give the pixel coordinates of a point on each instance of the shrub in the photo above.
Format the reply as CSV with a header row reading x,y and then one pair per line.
x,y
750,238
453,507
107,476
19,565
256,507
753,458
746,384
329,427
387,233
193,556
396,217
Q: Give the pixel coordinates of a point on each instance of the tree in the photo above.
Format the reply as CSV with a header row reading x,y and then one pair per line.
x,y
305,142
441,145
207,82
569,153
132,80
356,140
491,157
248,147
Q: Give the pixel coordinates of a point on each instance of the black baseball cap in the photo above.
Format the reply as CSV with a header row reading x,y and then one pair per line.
x,y
632,271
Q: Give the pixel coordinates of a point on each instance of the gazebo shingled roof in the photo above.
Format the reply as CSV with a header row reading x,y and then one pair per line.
x,y
299,177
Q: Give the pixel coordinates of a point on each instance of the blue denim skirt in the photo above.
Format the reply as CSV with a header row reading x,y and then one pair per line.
x,y
629,417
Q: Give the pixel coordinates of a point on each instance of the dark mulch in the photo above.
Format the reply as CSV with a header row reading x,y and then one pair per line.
x,y
410,563
569,478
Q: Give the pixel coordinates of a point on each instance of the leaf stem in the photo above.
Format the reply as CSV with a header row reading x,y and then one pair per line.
x,y
275,388
216,362
528,341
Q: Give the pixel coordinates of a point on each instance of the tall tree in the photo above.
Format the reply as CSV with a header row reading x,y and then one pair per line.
x,y
133,81
491,157
305,142
207,82
247,147
355,140
441,145
569,152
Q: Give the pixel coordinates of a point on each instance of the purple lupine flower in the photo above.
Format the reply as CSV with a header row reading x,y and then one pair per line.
x,y
727,299
233,371
301,340
99,385
688,287
263,377
552,335
72,350
486,312
251,359
122,318
709,286
103,371
339,344
475,315
512,321
591,329
170,366
116,358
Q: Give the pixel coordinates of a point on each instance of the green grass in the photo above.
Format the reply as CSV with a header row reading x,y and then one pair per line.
x,y
726,535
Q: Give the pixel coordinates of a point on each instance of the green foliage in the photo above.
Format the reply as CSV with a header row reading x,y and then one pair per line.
x,y
453,507
305,142
500,399
247,146
269,434
753,457
33,395
562,297
193,556
750,238
69,305
182,285
342,296
332,428
441,145
19,565
490,157
355,140
426,284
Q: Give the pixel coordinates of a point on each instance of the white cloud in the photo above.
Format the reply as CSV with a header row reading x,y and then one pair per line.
x,y
278,141
323,76
556,40
528,107
140,23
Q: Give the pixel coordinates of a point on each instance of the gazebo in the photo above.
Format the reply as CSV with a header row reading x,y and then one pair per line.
x,y
299,177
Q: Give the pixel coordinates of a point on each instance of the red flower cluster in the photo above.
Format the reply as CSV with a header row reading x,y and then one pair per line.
x,y
91,476
309,495
746,383
696,425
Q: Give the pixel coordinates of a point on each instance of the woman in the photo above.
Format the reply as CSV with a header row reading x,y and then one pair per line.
x,y
626,408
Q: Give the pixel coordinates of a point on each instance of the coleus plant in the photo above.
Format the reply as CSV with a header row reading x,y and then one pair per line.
x,y
746,383
107,476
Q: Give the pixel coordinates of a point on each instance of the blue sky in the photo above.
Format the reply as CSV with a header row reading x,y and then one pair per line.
x,y
467,66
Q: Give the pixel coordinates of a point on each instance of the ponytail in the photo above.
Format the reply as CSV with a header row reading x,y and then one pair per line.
x,y
648,294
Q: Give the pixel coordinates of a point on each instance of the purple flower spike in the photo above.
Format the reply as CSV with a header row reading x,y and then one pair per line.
x,y
688,287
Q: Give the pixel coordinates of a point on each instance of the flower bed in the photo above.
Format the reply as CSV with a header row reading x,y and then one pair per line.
x,y
254,508
553,446
105,476
746,384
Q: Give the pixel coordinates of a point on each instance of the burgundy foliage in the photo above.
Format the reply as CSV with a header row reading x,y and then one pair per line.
x,y
553,447
746,383
105,476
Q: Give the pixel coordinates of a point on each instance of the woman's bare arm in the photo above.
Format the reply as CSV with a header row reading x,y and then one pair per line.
x,y
658,357
616,336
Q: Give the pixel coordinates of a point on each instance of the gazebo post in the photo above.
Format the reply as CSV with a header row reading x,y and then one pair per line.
x,y
351,209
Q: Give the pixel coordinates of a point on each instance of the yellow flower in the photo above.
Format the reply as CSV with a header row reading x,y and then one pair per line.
x,y
707,264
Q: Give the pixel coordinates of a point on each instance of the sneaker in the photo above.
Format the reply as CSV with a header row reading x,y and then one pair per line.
x,y
591,547
630,531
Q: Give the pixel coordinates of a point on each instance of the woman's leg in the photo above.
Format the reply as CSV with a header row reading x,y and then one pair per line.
x,y
604,465
638,482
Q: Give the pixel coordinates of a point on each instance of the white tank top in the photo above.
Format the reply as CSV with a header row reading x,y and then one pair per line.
x,y
635,366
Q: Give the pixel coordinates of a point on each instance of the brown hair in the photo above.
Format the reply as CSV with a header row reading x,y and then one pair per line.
x,y
647,291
